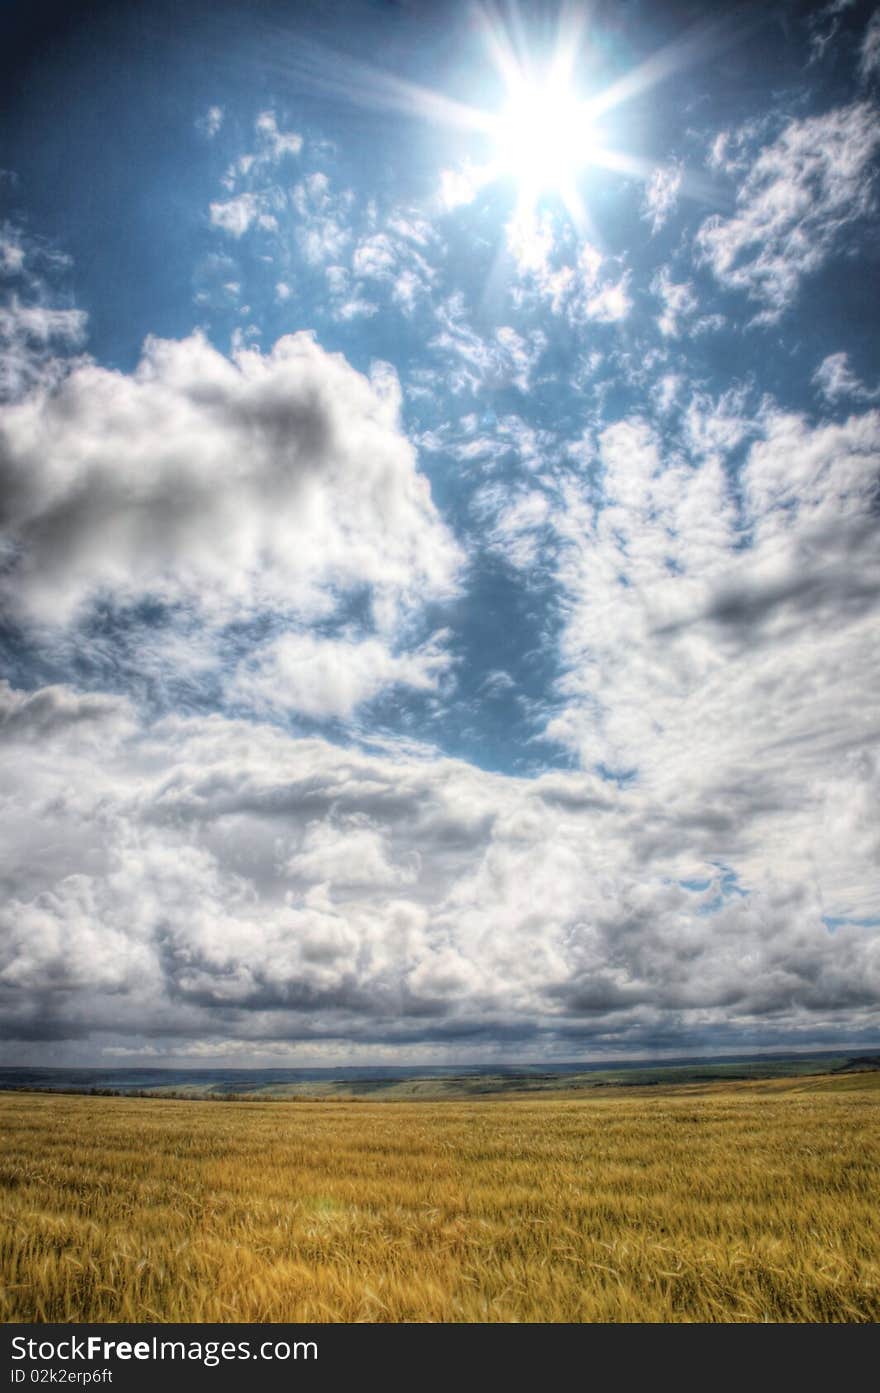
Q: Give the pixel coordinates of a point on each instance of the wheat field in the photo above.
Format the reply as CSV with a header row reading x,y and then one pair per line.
x,y
733,1202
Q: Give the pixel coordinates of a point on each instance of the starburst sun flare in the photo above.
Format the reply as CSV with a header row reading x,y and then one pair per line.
x,y
544,136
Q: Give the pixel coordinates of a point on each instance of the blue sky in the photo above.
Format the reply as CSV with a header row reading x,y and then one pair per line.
x,y
439,592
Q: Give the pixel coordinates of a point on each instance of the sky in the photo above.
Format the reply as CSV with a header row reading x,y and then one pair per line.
x,y
439,499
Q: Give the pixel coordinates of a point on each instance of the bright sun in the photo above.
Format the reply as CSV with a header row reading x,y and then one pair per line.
x,y
543,137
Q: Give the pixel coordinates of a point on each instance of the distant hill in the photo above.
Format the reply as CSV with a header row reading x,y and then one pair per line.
x,y
420,1083
862,1064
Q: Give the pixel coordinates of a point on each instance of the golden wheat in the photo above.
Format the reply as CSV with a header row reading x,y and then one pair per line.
x,y
748,1202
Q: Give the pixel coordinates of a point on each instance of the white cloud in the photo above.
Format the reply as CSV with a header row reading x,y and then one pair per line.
x,y
459,187
323,229
473,361
328,678
588,287
661,195
275,144
869,56
12,253
237,215
257,200
519,354
679,302
798,193
375,257
829,16
510,438
714,427
40,324
666,391
611,303
209,124
407,289
394,258
531,240
386,384
518,530
207,880
355,308
354,854
835,380
30,337
721,647
268,480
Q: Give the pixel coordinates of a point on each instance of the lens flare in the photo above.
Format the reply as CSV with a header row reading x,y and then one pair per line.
x,y
544,137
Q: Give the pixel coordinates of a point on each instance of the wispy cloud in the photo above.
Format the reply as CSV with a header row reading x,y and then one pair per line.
x,y
209,124
33,329
869,55
678,300
836,380
661,195
798,194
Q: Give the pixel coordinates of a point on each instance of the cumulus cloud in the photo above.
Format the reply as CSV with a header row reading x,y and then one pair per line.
x,y
610,303
275,480
720,643
797,195
237,215
275,143
209,880
348,856
326,678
